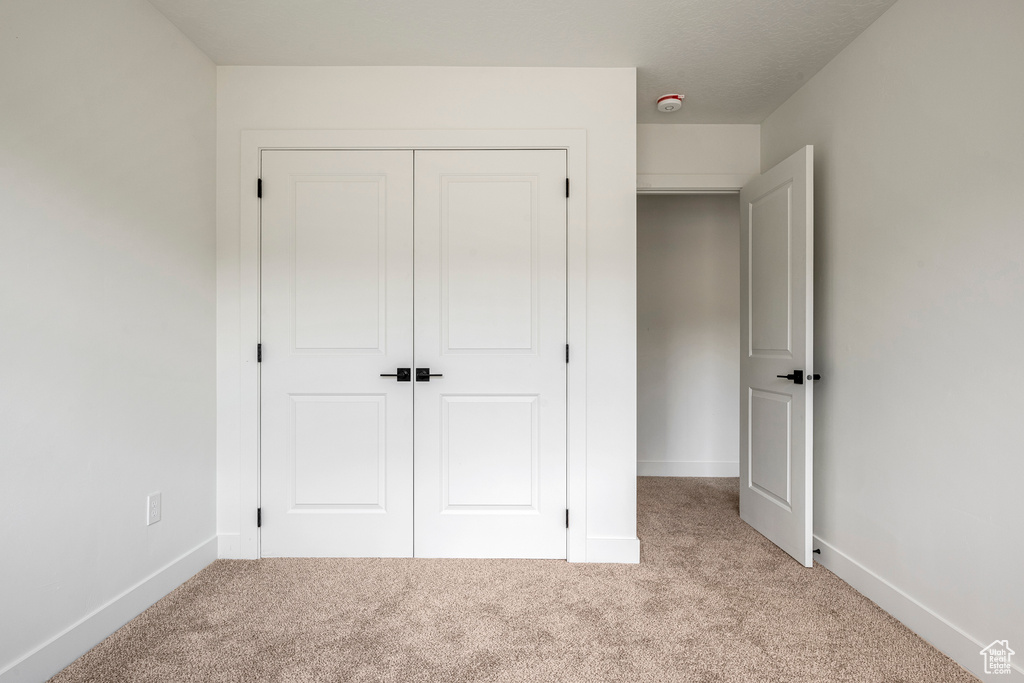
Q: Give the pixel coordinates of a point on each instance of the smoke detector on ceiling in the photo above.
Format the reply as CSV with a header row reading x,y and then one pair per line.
x,y
668,103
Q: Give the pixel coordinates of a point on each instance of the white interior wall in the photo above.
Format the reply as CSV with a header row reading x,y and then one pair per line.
x,y
260,98
698,149
919,315
107,272
688,335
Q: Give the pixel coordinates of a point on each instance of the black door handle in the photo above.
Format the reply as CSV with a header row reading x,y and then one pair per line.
x,y
423,375
797,376
403,374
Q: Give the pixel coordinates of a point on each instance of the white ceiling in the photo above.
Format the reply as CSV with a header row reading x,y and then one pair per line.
x,y
735,60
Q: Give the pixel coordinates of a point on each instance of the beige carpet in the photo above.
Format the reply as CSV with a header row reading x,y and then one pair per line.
x,y
711,601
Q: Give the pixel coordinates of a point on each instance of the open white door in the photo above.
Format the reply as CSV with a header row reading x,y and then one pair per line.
x,y
776,354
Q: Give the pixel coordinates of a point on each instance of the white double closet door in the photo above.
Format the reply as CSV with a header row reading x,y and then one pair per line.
x,y
447,263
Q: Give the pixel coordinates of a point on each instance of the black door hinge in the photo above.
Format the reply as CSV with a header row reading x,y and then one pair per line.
x,y
566,519
566,187
566,353
259,517
259,353
259,187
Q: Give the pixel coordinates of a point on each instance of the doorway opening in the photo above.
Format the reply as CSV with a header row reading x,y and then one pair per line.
x,y
688,335
688,327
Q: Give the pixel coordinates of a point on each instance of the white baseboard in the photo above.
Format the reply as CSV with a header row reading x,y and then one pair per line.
x,y
703,468
962,648
67,646
616,550
229,546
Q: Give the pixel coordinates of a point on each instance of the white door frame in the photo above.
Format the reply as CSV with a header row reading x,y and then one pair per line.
x,y
574,142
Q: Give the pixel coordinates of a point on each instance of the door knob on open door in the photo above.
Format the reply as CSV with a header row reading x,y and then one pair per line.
x,y
797,376
423,375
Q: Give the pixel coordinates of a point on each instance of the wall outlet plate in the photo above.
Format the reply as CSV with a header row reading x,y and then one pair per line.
x,y
152,508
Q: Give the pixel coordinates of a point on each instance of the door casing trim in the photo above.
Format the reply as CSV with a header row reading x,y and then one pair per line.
x,y
573,141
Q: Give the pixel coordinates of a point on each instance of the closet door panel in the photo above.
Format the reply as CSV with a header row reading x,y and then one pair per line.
x,y
336,313
491,321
